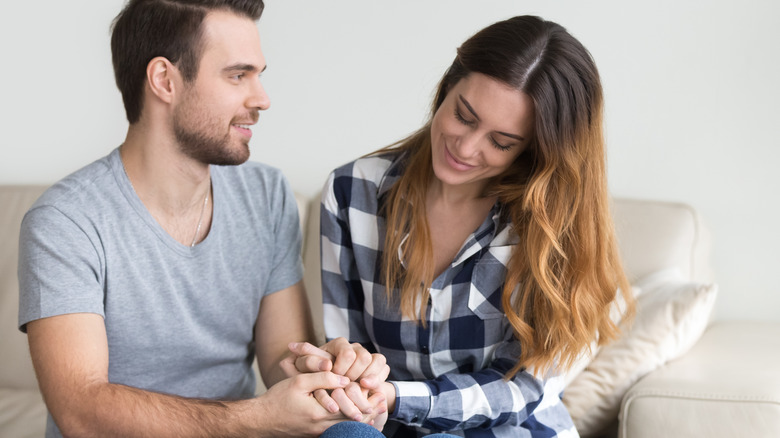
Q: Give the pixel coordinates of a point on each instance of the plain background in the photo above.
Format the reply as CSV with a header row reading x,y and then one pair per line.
x,y
692,100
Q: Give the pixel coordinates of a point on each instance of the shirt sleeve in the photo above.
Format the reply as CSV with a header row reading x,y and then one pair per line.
x,y
342,291
482,399
287,263
60,268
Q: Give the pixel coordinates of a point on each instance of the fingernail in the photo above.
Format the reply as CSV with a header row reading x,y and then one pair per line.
x,y
333,408
323,365
358,417
344,381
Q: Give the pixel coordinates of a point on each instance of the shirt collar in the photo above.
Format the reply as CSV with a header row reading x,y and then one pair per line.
x,y
392,173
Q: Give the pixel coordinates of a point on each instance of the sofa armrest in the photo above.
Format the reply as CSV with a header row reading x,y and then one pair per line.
x,y
725,386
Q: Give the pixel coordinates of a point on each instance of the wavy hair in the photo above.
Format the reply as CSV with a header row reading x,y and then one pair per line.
x,y
565,275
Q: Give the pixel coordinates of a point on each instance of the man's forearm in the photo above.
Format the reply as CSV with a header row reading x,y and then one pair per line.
x,y
106,409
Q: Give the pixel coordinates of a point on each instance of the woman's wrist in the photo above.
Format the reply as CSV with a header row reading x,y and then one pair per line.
x,y
388,389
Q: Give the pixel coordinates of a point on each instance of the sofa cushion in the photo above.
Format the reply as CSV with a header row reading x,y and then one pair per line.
x,y
671,316
727,385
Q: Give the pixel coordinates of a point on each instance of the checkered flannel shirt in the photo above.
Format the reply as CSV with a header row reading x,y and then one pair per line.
x,y
448,374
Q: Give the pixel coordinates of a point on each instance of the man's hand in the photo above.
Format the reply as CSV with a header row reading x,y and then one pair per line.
x,y
290,409
359,400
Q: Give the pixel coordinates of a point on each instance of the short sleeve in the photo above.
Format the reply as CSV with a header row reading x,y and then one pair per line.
x,y
287,265
60,268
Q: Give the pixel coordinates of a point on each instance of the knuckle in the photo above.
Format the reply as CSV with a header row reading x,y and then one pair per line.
x,y
349,355
378,358
364,356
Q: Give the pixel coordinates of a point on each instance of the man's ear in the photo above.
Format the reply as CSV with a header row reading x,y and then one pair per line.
x,y
162,77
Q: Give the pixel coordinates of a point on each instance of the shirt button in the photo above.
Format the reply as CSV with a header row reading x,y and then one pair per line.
x,y
424,349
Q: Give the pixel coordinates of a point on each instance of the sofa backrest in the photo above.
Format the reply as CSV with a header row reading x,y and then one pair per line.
x,y
656,235
16,371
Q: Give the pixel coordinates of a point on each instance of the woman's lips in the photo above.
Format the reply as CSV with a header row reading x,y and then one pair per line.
x,y
454,163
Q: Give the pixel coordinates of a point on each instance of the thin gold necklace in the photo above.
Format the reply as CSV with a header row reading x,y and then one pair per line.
x,y
200,219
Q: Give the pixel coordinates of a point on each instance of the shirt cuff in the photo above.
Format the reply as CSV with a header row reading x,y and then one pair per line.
x,y
413,402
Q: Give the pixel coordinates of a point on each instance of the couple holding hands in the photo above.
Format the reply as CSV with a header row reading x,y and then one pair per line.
x,y
464,268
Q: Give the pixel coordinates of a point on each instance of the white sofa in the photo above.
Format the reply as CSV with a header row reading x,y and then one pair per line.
x,y
725,386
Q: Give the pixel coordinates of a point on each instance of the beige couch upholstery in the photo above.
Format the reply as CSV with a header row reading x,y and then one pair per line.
x,y
22,412
725,386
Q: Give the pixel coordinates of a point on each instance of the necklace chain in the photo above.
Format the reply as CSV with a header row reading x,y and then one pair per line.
x,y
202,209
200,219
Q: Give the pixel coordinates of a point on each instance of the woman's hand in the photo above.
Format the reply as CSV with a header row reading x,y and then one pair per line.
x,y
360,400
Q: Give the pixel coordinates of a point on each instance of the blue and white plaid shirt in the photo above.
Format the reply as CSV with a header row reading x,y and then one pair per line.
x,y
448,375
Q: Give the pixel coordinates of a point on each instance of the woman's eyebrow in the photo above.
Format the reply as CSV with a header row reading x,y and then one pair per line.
x,y
515,136
468,106
474,113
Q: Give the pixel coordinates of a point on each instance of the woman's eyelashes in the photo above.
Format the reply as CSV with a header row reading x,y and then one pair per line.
x,y
500,146
463,120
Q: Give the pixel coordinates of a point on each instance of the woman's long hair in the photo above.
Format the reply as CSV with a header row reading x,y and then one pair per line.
x,y
565,274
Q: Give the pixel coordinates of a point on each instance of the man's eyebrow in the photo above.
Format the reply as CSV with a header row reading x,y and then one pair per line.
x,y
243,67
474,113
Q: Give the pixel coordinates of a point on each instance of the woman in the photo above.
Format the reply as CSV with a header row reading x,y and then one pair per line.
x,y
478,254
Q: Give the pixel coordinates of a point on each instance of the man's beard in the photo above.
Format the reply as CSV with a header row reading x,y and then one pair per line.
x,y
197,134
202,146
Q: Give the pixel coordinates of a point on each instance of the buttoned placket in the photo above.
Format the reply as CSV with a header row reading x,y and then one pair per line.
x,y
475,245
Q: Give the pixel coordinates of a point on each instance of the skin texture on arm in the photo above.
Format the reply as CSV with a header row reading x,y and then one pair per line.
x,y
284,317
70,355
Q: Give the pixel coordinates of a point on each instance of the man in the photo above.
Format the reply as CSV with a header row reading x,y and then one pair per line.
x,y
151,278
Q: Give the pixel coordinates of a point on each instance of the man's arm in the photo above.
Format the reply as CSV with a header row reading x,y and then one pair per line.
x,y
70,355
284,317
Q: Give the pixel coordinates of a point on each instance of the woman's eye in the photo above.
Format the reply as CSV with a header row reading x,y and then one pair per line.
x,y
461,119
500,146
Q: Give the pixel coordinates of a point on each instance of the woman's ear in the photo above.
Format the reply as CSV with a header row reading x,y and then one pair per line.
x,y
162,77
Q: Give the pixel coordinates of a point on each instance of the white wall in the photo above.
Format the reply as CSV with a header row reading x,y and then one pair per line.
x,y
692,100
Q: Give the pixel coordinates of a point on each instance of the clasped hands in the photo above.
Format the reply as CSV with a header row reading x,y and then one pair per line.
x,y
365,398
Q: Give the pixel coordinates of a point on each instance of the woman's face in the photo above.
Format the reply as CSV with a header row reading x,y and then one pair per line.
x,y
479,130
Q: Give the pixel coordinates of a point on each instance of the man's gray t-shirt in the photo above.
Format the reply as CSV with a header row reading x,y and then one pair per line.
x,y
179,320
